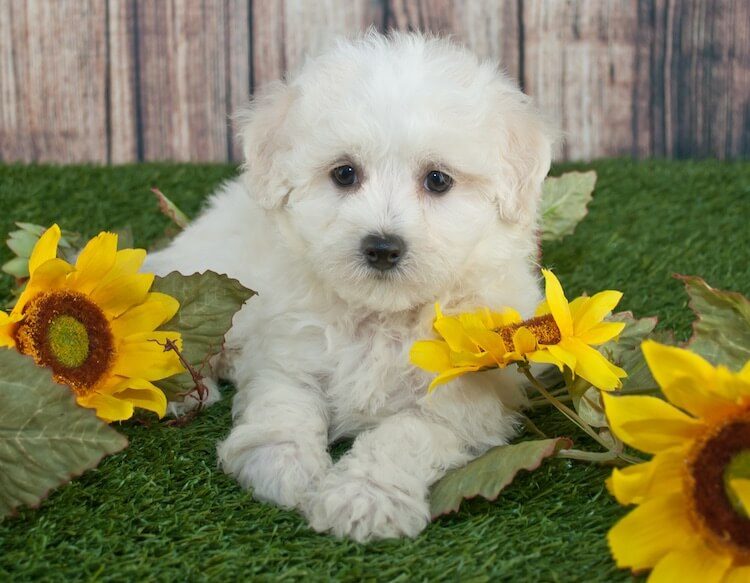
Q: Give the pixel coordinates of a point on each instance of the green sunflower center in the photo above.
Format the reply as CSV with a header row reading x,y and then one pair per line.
x,y
544,328
68,341
69,333
738,468
723,454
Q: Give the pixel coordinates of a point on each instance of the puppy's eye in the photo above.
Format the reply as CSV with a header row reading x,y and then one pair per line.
x,y
438,182
344,175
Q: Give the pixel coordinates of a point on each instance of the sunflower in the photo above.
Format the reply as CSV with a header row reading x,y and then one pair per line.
x,y
692,515
469,343
93,324
561,333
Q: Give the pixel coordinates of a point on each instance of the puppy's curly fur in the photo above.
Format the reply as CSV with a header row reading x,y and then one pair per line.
x,y
322,352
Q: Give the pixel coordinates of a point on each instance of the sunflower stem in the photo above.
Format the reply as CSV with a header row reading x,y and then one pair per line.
x,y
564,409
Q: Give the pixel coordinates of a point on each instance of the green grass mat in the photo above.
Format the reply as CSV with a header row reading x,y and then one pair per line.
x,y
161,511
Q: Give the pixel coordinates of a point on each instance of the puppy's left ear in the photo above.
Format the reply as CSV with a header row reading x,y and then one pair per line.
x,y
528,139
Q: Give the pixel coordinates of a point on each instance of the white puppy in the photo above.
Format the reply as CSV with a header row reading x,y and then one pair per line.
x,y
389,174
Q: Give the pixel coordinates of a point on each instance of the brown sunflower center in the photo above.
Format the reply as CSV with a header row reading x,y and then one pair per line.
x,y
68,333
544,328
712,506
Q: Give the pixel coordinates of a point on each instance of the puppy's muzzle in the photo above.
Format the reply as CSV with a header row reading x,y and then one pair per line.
x,y
383,252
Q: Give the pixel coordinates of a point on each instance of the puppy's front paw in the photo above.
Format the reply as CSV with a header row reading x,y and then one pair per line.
x,y
281,473
363,509
192,400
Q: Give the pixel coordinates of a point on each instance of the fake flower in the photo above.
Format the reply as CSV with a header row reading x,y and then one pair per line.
x,y
692,515
470,343
561,333
93,324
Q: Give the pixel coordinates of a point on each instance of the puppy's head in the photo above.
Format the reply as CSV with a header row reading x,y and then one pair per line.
x,y
400,167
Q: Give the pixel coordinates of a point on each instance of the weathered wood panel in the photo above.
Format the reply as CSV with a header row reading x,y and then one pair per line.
x,y
53,80
182,79
126,80
707,96
124,139
491,28
286,31
580,59
238,66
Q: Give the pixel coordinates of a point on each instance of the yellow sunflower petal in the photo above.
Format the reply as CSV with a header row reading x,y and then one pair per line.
x,y
563,355
454,334
7,324
142,394
737,575
648,423
649,532
544,357
127,262
741,488
558,304
686,379
524,341
143,356
50,275
698,564
542,309
592,365
598,306
117,295
449,375
108,407
489,341
158,309
662,475
577,305
431,355
505,318
95,261
45,249
601,333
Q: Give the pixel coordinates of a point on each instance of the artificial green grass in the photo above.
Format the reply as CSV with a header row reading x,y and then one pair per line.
x,y
160,510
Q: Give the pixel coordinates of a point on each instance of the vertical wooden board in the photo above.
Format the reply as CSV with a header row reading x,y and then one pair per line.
x,y
238,66
579,64
286,32
124,116
53,80
182,80
490,28
708,92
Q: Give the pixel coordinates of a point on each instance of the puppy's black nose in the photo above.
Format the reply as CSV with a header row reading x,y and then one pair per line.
x,y
383,252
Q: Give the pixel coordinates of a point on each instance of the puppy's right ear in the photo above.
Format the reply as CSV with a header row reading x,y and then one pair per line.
x,y
264,140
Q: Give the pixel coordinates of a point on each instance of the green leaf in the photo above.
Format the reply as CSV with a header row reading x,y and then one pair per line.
x,y
23,241
46,439
564,201
587,400
18,267
487,475
170,209
208,301
721,331
626,352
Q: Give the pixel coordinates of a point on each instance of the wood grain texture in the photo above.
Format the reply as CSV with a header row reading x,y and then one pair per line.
x,y
124,116
708,70
490,28
53,80
286,31
182,93
127,80
238,66
580,61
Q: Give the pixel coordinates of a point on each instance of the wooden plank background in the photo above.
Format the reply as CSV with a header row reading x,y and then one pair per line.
x,y
115,81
